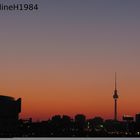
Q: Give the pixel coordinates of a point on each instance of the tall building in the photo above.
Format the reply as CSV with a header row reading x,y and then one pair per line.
x,y
137,118
9,113
9,107
115,97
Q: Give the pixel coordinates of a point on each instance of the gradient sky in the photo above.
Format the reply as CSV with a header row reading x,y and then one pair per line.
x,y
62,58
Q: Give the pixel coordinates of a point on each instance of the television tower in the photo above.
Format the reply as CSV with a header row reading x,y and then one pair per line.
x,y
115,97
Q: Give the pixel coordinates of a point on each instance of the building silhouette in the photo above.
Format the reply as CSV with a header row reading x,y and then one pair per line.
x,y
115,97
128,118
9,114
137,118
63,125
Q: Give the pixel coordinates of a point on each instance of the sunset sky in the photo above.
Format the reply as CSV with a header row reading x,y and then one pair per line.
x,y
62,58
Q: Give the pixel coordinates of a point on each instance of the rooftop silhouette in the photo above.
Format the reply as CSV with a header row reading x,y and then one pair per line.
x,y
62,126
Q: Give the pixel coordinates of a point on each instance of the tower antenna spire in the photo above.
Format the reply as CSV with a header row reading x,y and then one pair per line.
x,y
115,81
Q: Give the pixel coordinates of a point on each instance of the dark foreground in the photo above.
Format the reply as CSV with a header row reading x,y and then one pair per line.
x,y
66,127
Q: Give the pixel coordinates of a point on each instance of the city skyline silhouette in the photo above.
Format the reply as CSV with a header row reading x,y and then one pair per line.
x,y
115,97
63,126
114,108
